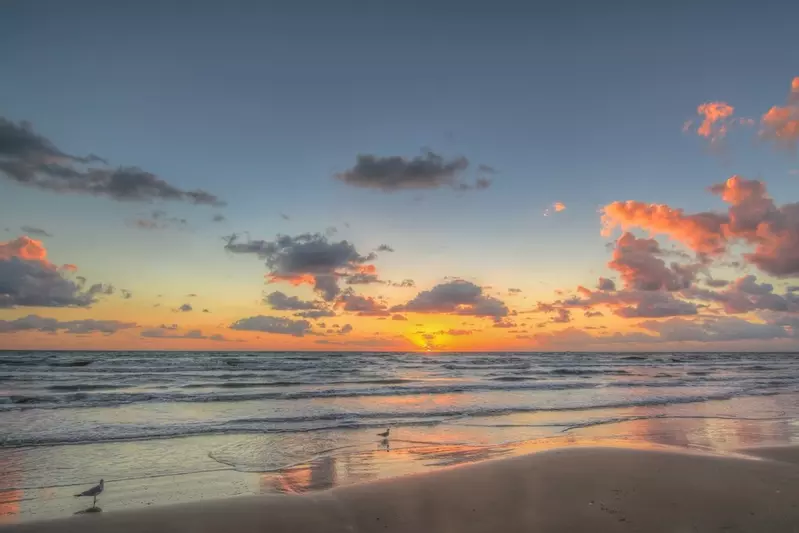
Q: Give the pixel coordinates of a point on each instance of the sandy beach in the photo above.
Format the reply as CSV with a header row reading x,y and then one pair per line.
x,y
594,489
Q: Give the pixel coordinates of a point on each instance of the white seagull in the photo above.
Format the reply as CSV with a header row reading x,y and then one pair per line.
x,y
94,492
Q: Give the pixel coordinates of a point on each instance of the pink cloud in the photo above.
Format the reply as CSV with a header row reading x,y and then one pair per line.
x,y
639,263
24,248
752,218
715,120
781,123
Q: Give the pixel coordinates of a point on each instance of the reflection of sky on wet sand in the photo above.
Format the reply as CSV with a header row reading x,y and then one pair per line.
x,y
39,482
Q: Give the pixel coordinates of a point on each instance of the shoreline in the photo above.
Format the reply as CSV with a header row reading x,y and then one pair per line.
x,y
563,489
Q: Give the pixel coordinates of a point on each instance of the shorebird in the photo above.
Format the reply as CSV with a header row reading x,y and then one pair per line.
x,y
94,492
385,433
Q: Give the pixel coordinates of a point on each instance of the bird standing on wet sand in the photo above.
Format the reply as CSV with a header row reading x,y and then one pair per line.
x,y
94,492
385,433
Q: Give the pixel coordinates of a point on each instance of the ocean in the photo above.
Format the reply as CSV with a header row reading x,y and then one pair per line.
x,y
308,421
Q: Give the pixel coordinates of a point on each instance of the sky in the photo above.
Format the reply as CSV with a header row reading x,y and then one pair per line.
x,y
446,176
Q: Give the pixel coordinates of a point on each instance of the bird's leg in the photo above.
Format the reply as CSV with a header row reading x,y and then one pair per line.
x,y
95,501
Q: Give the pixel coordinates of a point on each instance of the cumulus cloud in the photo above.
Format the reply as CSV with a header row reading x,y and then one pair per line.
x,y
308,258
273,324
27,278
362,305
780,124
126,294
185,308
384,248
640,266
36,232
346,328
404,283
657,305
52,325
281,302
562,316
606,284
626,303
394,173
752,218
745,294
398,317
29,159
456,297
365,275
716,120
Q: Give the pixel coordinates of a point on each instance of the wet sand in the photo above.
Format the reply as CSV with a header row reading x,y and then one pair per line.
x,y
572,489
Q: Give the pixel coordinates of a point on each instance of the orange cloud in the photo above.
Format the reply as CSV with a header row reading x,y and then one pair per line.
x,y
25,248
293,279
69,268
367,269
714,124
781,123
752,218
701,232
556,207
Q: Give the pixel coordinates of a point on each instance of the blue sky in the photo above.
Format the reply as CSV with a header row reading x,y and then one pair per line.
x,y
261,104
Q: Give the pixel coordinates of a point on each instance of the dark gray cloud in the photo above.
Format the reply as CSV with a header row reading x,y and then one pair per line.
x,y
29,159
514,291
398,317
126,294
717,283
52,325
35,232
28,279
384,248
456,297
394,173
281,302
362,305
185,308
404,283
168,333
606,284
273,324
218,218
307,258
346,328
